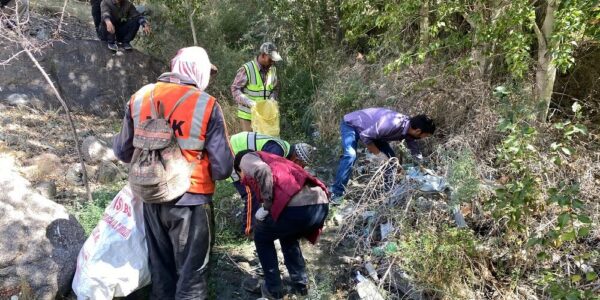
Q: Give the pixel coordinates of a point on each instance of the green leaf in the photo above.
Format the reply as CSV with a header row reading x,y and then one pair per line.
x,y
575,278
534,241
542,255
583,231
591,276
577,204
584,219
568,236
563,219
580,128
566,150
556,160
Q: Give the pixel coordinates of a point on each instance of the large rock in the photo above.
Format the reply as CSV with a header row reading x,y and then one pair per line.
x,y
89,76
95,150
43,166
108,172
39,240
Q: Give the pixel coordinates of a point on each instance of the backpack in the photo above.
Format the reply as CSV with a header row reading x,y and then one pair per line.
x,y
158,171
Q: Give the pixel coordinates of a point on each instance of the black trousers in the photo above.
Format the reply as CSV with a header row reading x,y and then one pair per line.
x,y
251,205
293,223
179,242
96,15
124,31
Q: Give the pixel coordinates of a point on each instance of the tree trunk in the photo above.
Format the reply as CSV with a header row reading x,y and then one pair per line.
x,y
545,74
424,24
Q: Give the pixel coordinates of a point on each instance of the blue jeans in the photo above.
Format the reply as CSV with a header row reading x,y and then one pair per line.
x,y
350,137
293,223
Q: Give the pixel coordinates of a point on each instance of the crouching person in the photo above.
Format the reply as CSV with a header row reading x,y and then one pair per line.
x,y
294,206
180,233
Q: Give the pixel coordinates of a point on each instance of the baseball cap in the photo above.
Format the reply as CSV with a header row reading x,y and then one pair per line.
x,y
304,152
271,50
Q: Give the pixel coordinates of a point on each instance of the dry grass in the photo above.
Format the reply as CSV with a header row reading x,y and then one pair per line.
x,y
499,265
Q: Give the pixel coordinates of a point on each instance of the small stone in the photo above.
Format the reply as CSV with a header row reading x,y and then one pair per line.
x,y
17,99
43,166
108,172
74,174
46,189
96,150
11,140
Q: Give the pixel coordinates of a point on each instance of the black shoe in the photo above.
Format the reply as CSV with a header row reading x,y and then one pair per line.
x,y
299,289
127,46
251,285
268,295
113,46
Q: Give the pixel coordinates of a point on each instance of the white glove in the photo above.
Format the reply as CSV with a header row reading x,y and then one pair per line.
x,y
261,213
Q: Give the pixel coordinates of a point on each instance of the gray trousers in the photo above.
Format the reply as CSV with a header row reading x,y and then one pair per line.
x,y
179,241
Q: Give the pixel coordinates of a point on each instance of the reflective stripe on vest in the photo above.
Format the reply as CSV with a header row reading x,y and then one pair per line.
x,y
245,109
195,138
255,88
137,102
255,141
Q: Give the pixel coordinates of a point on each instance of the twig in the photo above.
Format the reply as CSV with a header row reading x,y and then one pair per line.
x,y
62,15
69,118
238,265
387,272
193,27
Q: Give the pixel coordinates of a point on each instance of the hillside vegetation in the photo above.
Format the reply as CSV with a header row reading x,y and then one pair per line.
x,y
514,89
522,159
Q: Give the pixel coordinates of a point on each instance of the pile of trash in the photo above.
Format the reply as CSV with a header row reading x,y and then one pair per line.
x,y
372,218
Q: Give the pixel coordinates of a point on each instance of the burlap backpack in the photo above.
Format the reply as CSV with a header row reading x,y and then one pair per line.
x,y
158,171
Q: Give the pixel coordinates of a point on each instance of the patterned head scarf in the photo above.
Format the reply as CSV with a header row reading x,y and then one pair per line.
x,y
193,62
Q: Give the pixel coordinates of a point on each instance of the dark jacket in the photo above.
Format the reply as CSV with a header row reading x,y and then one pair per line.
x,y
121,12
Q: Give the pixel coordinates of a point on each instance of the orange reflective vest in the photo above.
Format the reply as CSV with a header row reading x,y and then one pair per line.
x,y
189,122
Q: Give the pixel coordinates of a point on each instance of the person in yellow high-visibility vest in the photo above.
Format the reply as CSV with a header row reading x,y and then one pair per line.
x,y
255,81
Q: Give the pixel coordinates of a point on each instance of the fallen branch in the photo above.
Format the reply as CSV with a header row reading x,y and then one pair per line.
x,y
69,118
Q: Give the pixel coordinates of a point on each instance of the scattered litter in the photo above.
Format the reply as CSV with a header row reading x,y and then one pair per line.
x,y
368,214
429,181
350,260
366,289
387,248
386,229
371,270
459,219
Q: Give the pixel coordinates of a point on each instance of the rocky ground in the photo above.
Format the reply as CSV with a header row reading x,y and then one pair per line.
x,y
44,152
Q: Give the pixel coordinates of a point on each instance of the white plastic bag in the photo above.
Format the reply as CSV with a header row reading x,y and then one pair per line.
x,y
113,261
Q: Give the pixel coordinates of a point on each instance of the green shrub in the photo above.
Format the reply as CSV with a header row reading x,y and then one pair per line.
x,y
438,259
88,214
462,175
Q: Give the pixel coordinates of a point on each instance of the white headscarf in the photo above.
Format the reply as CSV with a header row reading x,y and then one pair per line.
x,y
193,62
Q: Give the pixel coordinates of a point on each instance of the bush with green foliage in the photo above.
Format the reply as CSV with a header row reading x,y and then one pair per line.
x,y
439,259
89,214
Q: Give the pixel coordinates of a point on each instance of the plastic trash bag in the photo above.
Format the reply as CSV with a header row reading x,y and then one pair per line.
x,y
265,117
113,261
429,182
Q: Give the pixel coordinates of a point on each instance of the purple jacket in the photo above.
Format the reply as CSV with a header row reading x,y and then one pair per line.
x,y
381,124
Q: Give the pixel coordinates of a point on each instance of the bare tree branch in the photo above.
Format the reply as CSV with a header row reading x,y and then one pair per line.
x,y
69,118
62,16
